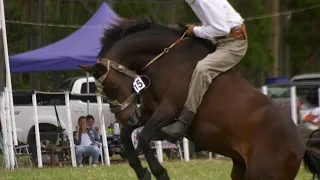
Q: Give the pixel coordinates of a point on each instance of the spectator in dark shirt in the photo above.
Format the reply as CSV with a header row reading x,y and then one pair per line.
x,y
90,123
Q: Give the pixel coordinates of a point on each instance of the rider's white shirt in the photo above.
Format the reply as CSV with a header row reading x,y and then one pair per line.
x,y
217,17
316,112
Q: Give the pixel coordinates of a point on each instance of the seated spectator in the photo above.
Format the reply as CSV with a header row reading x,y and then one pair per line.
x,y
313,117
87,142
90,123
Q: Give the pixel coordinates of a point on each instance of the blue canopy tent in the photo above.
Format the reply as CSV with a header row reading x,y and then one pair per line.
x,y
81,47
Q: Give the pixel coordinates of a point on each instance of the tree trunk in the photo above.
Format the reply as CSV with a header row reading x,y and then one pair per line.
x,y
275,45
37,15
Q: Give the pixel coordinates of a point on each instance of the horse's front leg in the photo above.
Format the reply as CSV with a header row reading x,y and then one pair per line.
x,y
130,153
160,118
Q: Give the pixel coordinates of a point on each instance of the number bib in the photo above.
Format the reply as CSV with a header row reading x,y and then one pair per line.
x,y
138,84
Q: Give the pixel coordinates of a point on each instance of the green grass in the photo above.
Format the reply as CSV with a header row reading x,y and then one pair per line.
x,y
193,170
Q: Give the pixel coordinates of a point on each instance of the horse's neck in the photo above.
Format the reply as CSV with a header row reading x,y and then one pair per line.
x,y
138,49
166,72
138,61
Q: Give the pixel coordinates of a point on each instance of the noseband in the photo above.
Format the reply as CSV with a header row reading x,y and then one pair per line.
x,y
115,105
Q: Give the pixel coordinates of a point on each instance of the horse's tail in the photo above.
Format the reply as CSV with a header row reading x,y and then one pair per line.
x,y
312,161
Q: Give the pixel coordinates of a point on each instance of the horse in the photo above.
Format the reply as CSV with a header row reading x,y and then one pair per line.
x,y
155,62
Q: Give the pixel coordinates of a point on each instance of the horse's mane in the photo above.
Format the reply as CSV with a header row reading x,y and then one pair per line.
x,y
125,27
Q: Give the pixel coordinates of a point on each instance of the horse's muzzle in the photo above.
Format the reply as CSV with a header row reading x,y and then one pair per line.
x,y
135,118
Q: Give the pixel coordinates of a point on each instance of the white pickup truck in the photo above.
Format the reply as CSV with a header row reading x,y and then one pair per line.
x,y
47,117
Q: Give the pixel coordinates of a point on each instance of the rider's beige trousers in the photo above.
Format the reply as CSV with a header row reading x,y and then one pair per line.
x,y
229,52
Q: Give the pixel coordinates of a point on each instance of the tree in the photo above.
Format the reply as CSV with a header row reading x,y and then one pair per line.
x,y
302,36
258,56
254,63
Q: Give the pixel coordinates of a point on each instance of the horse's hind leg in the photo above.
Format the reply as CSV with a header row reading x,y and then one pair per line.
x,y
271,163
238,171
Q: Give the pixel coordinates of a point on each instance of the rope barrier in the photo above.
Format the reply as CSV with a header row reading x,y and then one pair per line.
x,y
264,16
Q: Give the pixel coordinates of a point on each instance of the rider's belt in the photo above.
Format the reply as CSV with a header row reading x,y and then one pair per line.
x,y
239,32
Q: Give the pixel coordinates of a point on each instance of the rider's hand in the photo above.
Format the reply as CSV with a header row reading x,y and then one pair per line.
x,y
190,29
77,128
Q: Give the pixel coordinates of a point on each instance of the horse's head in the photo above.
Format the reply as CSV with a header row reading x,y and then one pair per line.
x,y
114,84
126,48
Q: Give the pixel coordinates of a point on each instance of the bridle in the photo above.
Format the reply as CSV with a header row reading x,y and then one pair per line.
x,y
115,105
107,63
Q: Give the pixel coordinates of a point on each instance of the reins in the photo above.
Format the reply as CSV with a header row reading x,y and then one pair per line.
x,y
166,50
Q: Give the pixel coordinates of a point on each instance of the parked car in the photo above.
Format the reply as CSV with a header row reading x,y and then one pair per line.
x,y
307,99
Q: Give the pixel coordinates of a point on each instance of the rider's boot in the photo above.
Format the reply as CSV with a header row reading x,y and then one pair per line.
x,y
179,128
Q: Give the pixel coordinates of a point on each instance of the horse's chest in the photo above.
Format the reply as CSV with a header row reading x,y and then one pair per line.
x,y
149,104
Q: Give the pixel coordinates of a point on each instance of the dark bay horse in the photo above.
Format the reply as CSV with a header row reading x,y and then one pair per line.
x,y
234,119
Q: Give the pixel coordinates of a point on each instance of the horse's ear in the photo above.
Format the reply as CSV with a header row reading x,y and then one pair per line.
x,y
87,69
100,68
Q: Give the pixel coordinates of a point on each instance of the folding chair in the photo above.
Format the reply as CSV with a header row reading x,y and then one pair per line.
x,y
22,151
19,151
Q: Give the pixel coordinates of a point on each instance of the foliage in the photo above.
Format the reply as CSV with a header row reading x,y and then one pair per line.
x,y
258,56
16,33
22,38
302,35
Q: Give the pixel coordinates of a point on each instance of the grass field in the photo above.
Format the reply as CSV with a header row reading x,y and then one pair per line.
x,y
193,170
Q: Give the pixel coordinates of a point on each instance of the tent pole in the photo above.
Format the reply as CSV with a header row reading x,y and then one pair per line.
x,y
69,127
3,119
9,128
88,101
8,74
37,131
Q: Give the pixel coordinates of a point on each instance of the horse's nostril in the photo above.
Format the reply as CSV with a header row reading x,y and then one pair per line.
x,y
130,119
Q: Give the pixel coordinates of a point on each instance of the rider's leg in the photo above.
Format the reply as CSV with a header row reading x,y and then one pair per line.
x,y
229,52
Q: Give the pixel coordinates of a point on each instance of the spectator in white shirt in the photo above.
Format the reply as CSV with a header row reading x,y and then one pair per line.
x,y
223,26
87,142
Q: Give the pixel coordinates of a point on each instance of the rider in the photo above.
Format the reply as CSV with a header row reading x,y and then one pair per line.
x,y
223,26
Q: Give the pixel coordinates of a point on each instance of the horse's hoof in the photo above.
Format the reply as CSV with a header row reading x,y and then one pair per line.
x,y
146,175
164,176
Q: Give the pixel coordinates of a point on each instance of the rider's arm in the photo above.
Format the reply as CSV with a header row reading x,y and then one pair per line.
x,y
214,18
